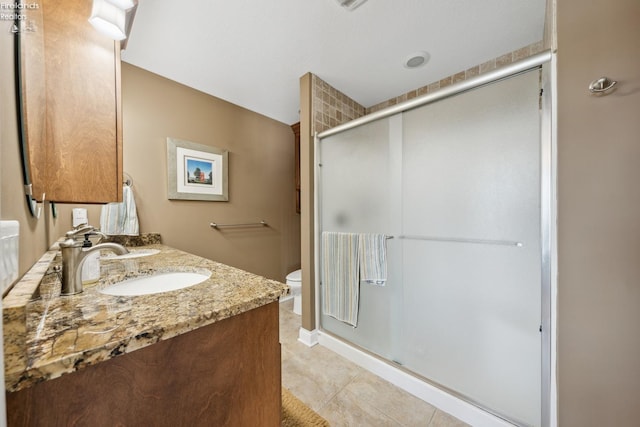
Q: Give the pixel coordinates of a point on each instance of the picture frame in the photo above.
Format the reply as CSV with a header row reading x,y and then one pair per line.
x,y
196,171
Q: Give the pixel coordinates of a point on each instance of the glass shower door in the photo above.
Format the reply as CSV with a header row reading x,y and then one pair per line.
x,y
471,255
356,188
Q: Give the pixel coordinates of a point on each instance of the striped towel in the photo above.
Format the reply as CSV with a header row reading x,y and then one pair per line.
x,y
340,284
373,258
120,219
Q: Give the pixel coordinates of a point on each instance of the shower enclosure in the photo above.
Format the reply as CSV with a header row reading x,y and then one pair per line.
x,y
460,186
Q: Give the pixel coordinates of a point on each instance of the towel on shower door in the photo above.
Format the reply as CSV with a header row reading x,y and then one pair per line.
x,y
373,258
340,284
120,218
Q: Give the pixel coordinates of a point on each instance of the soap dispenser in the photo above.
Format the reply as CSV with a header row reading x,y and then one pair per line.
x,y
91,267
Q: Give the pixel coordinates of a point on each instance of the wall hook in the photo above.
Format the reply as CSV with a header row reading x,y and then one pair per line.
x,y
601,85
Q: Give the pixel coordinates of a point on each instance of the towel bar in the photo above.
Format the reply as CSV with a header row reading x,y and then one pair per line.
x,y
458,240
250,224
463,240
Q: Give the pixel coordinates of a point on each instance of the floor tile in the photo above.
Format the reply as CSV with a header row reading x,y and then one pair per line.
x,y
344,393
343,411
379,395
315,374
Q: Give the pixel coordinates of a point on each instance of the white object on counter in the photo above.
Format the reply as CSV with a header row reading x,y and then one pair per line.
x,y
91,266
9,253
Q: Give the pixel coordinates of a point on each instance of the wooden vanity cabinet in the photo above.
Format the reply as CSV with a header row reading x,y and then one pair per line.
x,y
83,117
224,374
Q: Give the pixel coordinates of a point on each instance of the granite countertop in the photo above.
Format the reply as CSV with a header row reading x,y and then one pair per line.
x,y
54,335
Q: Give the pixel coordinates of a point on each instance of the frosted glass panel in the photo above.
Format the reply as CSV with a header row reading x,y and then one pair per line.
x,y
472,310
354,179
354,185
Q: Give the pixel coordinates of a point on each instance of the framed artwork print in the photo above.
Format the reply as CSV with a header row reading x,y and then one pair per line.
x,y
196,171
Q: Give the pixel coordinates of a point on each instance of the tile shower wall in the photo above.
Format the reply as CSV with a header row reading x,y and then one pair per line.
x,y
331,107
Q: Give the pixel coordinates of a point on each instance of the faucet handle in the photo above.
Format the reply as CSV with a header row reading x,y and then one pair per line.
x,y
80,230
70,242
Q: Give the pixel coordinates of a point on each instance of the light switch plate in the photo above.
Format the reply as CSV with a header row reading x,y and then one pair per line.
x,y
79,217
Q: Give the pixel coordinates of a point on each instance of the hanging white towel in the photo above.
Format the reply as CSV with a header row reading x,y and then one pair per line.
x,y
373,258
340,276
120,219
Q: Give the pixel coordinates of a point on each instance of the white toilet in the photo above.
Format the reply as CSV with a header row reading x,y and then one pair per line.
x,y
294,281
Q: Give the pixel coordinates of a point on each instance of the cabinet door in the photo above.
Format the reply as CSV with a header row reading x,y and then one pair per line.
x,y
83,119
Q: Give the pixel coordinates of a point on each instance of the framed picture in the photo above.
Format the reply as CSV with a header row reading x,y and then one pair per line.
x,y
196,171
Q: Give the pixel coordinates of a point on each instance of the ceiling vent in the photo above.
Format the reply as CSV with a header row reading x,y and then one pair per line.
x,y
350,4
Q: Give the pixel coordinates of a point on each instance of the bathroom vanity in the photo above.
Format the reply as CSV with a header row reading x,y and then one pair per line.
x,y
208,354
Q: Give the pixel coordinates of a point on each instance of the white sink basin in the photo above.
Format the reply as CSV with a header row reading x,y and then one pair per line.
x,y
156,283
133,253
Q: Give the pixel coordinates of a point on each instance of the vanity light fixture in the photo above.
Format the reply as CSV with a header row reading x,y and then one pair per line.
x,y
113,18
350,4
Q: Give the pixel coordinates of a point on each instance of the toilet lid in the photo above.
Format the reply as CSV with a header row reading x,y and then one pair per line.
x,y
295,276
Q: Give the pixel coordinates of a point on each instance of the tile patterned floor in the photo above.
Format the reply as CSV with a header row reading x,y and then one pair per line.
x,y
342,392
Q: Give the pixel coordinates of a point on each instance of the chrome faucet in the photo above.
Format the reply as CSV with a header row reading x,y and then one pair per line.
x,y
74,255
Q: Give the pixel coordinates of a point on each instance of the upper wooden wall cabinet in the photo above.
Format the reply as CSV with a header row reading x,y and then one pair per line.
x,y
82,138
296,132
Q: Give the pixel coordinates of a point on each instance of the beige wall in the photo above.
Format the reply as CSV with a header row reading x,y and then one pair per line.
x,y
261,174
599,214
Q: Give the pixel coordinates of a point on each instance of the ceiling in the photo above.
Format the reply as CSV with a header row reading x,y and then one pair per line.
x,y
253,52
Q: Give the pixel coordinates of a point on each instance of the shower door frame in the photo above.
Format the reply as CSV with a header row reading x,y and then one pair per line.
x,y
548,212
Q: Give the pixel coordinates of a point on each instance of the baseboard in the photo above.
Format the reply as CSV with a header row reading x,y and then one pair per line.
x,y
308,338
453,405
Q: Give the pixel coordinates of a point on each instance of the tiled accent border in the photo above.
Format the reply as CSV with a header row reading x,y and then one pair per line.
x,y
491,65
330,107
